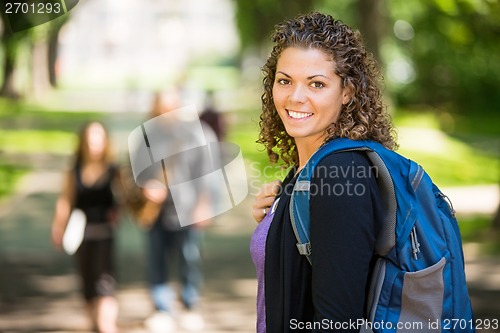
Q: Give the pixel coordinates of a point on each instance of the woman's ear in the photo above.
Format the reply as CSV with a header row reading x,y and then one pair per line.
x,y
347,94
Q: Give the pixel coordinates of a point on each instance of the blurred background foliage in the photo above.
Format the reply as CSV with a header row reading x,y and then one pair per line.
x,y
439,53
441,62
443,53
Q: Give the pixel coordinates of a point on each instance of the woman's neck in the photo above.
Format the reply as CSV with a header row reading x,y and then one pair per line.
x,y
305,149
92,171
93,166
92,161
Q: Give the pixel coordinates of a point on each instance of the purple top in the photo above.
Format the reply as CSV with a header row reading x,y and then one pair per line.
x,y
258,253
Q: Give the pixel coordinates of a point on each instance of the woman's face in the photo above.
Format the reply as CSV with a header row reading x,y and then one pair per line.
x,y
96,141
307,94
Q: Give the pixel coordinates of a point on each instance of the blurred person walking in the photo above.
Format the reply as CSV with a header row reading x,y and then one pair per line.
x,y
213,118
88,186
170,242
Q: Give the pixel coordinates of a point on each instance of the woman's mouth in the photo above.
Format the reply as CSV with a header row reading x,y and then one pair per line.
x,y
298,115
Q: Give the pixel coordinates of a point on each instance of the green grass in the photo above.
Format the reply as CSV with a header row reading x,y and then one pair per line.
x,y
245,134
9,175
416,119
205,76
37,141
453,158
450,162
473,228
29,128
478,229
470,124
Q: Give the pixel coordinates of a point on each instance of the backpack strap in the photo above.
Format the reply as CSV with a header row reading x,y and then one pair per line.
x,y
299,202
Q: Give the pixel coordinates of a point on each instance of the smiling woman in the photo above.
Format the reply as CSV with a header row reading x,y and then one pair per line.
x,y
320,84
323,51
309,98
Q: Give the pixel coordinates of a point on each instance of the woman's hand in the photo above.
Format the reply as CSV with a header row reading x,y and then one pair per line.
x,y
264,199
56,233
155,191
63,210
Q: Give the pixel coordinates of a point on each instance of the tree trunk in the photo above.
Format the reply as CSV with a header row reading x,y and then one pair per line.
x,y
52,60
372,24
53,49
496,219
39,71
8,88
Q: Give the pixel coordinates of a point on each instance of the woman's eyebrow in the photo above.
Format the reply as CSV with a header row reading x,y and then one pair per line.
x,y
283,73
316,75
309,77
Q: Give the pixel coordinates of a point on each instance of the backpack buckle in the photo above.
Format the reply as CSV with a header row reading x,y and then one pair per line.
x,y
304,249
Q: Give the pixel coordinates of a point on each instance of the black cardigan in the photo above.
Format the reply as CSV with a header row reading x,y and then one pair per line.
x,y
346,214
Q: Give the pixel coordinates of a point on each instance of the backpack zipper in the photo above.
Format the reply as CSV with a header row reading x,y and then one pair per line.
x,y
448,202
415,245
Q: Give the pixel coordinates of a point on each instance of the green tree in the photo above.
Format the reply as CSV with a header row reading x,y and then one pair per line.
x,y
10,44
454,51
37,43
372,24
256,18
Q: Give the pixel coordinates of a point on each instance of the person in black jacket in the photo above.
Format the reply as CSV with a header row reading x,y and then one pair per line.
x,y
320,84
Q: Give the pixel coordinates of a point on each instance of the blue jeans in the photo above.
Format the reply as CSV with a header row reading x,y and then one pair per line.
x,y
167,247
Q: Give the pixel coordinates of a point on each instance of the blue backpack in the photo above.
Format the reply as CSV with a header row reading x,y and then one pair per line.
x,y
418,282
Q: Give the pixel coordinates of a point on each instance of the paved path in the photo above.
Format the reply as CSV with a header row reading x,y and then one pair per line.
x,y
38,287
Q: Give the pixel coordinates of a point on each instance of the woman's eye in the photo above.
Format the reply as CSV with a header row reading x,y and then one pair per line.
x,y
283,81
318,85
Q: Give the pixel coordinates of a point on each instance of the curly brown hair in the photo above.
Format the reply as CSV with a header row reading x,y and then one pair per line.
x,y
365,117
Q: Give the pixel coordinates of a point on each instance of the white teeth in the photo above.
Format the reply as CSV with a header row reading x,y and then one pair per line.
x,y
299,115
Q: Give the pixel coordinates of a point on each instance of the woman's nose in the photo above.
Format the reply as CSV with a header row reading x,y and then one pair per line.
x,y
298,94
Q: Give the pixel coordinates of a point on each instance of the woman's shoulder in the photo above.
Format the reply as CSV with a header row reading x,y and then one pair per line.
x,y
346,158
345,167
